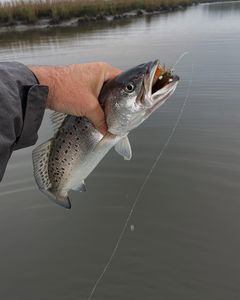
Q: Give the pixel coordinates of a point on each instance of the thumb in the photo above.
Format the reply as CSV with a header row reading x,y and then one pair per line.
x,y
110,72
97,117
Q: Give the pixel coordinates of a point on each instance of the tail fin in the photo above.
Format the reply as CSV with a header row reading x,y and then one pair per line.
x,y
62,200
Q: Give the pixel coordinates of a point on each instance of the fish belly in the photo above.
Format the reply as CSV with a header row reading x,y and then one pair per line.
x,y
90,161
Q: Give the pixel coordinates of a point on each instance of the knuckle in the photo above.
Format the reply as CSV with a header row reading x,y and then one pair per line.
x,y
103,65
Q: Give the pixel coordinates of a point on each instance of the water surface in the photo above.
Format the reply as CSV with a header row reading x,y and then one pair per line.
x,y
186,242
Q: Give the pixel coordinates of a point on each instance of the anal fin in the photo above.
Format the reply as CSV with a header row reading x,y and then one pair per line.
x,y
62,200
80,188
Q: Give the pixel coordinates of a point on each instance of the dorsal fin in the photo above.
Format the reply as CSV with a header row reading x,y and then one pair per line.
x,y
57,119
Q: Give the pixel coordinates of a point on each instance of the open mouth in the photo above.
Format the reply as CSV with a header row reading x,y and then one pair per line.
x,y
161,77
162,80
159,85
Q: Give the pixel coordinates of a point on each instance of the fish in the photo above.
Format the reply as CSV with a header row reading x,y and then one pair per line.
x,y
64,162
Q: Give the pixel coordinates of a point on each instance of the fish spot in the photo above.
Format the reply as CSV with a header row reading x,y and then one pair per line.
x,y
66,151
86,127
56,158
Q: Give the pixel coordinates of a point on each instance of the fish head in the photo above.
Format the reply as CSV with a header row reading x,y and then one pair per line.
x,y
132,96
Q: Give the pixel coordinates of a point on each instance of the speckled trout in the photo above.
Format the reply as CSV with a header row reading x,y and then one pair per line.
x,y
64,162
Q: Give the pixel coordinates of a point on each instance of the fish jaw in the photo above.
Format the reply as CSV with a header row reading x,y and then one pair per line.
x,y
159,85
161,96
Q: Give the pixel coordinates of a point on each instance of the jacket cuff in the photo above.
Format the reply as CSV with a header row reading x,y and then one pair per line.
x,y
33,115
33,99
22,105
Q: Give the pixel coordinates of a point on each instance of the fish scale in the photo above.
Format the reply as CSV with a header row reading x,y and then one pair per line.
x,y
75,139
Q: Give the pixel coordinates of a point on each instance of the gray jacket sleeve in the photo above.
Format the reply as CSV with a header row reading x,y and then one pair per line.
x,y
22,106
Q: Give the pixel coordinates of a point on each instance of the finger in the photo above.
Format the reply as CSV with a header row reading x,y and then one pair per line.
x,y
97,117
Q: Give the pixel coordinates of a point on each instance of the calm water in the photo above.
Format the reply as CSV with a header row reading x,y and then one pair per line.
x,y
186,242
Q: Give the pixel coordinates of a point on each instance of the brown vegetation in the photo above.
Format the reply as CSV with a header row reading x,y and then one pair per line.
x,y
59,10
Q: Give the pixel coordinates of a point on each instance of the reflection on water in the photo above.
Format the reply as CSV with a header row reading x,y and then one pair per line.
x,y
66,39
224,9
185,243
51,34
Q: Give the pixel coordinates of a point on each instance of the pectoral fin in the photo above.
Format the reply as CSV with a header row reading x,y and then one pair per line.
x,y
124,148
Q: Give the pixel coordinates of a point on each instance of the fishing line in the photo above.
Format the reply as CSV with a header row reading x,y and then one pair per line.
x,y
179,59
143,185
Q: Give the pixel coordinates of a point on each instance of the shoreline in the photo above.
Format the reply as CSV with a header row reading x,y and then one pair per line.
x,y
49,22
46,23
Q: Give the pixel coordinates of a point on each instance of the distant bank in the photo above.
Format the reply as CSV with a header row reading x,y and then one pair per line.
x,y
44,13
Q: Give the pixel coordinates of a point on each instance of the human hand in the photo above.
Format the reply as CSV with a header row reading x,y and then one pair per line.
x,y
74,89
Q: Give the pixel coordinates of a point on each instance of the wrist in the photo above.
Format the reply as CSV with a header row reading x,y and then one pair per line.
x,y
47,75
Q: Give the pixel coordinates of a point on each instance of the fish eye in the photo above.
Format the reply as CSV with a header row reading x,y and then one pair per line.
x,y
130,87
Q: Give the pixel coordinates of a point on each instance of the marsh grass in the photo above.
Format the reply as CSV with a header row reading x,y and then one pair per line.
x,y
27,11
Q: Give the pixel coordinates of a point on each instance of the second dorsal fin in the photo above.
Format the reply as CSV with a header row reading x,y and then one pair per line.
x,y
57,119
40,157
